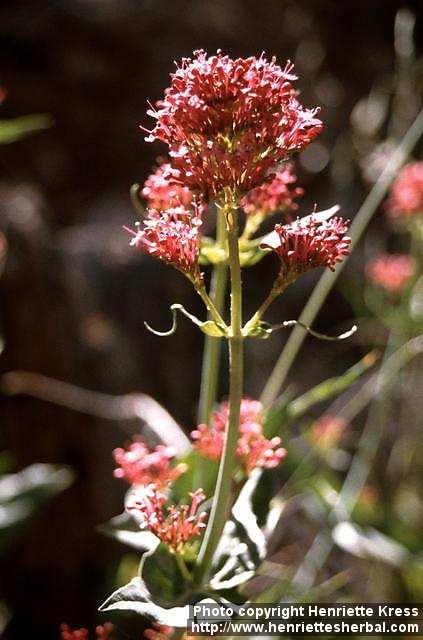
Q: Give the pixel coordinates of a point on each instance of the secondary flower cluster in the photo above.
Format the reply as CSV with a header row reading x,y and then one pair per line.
x,y
150,473
174,526
253,449
276,194
172,236
102,632
228,122
406,197
307,243
163,189
139,465
327,431
391,272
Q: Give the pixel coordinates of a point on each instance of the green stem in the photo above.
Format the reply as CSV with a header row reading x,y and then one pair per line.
x,y
327,281
211,308
183,567
213,346
278,288
223,493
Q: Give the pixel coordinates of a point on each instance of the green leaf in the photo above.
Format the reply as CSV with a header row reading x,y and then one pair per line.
x,y
135,597
12,130
181,487
261,330
331,387
210,328
162,576
23,494
278,415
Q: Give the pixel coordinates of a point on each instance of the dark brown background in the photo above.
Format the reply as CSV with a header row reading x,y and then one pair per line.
x,y
74,296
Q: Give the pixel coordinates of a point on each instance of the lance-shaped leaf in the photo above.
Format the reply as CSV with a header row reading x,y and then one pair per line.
x,y
162,576
14,129
287,409
23,493
186,482
135,597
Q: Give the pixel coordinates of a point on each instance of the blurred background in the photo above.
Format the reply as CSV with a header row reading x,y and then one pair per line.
x,y
74,295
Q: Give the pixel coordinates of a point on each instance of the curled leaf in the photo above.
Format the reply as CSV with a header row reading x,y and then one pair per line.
x,y
209,327
264,330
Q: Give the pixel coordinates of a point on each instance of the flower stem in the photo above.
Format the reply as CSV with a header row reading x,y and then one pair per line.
x,y
213,346
222,499
278,288
183,567
211,308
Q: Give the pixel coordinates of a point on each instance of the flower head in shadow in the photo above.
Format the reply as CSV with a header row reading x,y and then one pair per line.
x,y
102,632
140,465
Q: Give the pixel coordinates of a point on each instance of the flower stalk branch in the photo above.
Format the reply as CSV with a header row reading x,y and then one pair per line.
x,y
223,495
212,346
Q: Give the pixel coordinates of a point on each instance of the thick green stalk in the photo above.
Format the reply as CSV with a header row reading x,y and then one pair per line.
x,y
223,494
213,346
328,279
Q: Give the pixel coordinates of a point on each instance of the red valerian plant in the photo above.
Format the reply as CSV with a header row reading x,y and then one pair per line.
x,y
231,127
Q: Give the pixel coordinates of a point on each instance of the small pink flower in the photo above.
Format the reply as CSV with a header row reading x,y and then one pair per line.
x,y
176,525
276,194
257,451
172,236
406,196
227,122
391,272
327,431
308,243
102,632
253,449
163,189
140,465
158,632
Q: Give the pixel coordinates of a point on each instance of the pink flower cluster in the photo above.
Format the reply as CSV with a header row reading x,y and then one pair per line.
x,y
276,194
158,632
175,526
391,272
327,430
406,197
253,449
228,122
163,189
172,236
308,243
102,632
139,465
